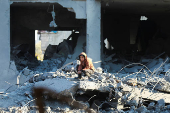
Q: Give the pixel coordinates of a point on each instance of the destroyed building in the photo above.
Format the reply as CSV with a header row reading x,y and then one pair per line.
x,y
127,40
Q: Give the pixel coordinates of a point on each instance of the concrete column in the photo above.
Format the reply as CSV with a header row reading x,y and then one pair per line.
x,y
93,36
4,37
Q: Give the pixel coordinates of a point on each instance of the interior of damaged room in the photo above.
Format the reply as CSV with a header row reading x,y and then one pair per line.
x,y
94,56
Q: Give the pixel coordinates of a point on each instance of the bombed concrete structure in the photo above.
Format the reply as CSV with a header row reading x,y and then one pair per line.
x,y
136,31
116,20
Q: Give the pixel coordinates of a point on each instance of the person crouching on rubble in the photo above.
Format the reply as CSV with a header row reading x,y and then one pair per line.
x,y
86,66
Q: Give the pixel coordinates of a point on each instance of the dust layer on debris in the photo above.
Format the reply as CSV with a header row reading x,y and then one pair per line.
x,y
133,88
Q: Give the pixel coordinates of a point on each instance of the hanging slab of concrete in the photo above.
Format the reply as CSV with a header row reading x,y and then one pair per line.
x,y
59,86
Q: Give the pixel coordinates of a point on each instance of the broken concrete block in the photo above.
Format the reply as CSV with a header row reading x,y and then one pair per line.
x,y
58,73
142,109
126,88
69,68
50,50
37,72
112,76
54,75
132,107
134,101
101,78
161,103
54,69
119,110
32,72
69,56
26,71
13,67
58,61
48,109
27,93
89,85
73,74
47,75
131,81
118,94
131,99
99,70
120,85
22,79
12,88
168,107
37,78
125,98
163,86
131,96
2,91
22,103
108,75
61,86
151,105
8,78
113,81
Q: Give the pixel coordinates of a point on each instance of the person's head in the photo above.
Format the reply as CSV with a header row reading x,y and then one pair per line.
x,y
82,58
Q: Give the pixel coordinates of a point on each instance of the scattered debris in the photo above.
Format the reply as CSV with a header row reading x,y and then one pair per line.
x,y
134,88
26,71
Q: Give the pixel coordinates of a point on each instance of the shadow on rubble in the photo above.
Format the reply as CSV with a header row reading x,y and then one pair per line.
x,y
95,99
22,57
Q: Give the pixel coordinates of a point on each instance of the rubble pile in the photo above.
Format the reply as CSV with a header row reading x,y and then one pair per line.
x,y
54,57
42,66
50,65
134,88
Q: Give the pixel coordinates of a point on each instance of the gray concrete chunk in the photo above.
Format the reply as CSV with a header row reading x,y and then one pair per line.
x,y
61,86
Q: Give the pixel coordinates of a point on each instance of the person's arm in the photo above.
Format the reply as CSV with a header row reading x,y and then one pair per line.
x,y
87,65
80,67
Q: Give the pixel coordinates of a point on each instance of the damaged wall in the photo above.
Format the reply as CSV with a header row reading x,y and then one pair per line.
x,y
53,38
27,17
77,6
4,37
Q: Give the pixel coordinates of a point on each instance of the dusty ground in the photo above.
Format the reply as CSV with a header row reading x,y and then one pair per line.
x,y
132,88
